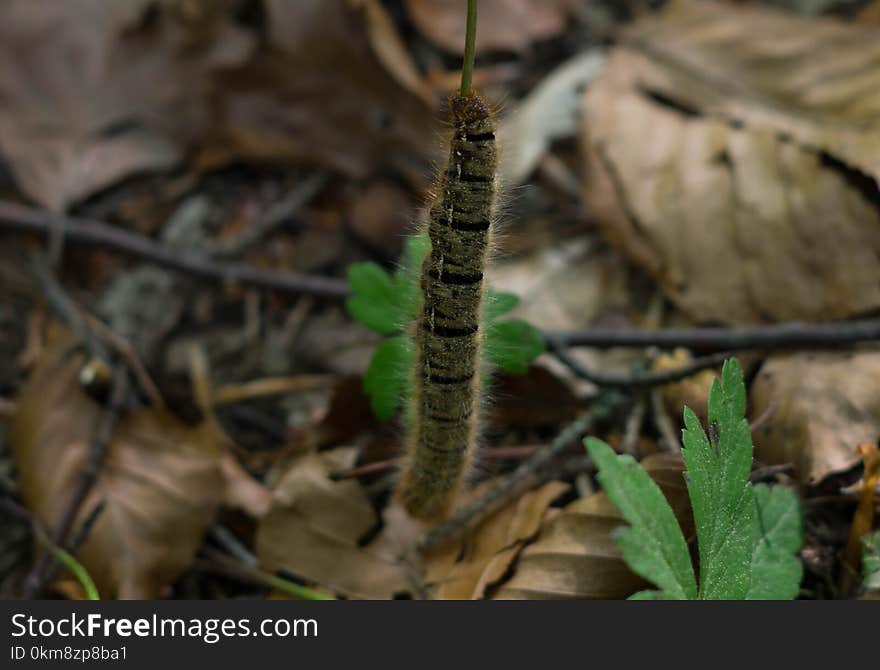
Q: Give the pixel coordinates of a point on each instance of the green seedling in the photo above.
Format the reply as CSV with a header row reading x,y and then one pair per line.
x,y
748,535
388,304
871,561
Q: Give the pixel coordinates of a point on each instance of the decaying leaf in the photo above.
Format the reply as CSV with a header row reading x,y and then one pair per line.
x,y
575,555
92,92
314,527
318,92
755,195
547,114
162,481
824,405
505,25
466,569
690,392
570,284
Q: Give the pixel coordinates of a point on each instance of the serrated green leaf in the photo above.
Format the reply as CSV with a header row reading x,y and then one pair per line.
x,y
499,304
649,594
512,344
871,561
386,377
653,544
778,536
719,488
376,300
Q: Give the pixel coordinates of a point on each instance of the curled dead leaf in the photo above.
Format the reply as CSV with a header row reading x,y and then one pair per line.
x,y
315,525
575,555
467,568
162,481
756,198
825,404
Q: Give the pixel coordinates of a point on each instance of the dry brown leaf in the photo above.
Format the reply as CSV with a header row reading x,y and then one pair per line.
x,y
466,568
824,405
569,284
390,48
162,481
318,92
91,92
692,392
505,25
575,555
314,527
755,198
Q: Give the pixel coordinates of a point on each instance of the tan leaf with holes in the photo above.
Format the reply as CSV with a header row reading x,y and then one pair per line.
x,y
575,556
750,192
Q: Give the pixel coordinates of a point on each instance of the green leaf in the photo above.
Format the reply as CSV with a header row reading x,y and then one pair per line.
x,y
719,488
406,279
512,344
499,304
871,561
387,375
376,299
778,536
647,595
653,544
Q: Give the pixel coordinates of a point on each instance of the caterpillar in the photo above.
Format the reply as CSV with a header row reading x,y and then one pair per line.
x,y
444,415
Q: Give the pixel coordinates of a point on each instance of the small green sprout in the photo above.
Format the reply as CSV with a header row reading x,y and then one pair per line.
x,y
387,304
748,535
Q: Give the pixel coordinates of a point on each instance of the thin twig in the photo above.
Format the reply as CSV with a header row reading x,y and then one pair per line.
x,y
277,214
517,480
79,537
635,379
789,335
633,427
269,386
95,460
664,423
96,233
221,564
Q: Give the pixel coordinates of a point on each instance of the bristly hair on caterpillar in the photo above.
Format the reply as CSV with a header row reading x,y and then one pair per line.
x,y
448,337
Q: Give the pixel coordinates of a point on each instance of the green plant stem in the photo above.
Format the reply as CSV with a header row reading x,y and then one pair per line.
x,y
470,40
75,567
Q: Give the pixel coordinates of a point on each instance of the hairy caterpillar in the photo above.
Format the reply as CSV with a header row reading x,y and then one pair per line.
x,y
448,336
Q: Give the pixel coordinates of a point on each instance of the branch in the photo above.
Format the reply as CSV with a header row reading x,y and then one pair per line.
x,y
789,335
636,379
96,233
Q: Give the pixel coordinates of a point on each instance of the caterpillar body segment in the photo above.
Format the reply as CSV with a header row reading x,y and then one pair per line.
x,y
448,334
